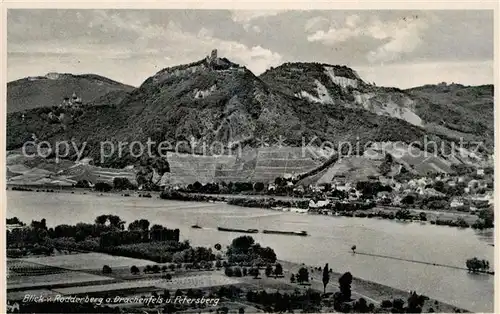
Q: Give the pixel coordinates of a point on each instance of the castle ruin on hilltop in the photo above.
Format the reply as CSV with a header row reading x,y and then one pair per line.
x,y
216,63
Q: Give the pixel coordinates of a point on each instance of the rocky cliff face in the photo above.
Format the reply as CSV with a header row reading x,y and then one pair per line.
x,y
340,86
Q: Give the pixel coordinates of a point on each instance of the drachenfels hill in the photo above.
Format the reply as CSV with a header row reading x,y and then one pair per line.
x,y
214,99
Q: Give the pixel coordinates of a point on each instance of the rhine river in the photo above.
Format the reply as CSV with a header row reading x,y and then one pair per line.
x,y
330,239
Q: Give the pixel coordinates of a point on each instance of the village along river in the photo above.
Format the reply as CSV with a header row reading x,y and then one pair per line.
x,y
329,241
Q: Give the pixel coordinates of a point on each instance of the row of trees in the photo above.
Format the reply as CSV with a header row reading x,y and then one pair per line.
x,y
225,188
106,234
237,271
119,184
308,301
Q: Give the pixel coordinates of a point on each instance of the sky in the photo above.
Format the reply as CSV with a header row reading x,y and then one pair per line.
x,y
390,48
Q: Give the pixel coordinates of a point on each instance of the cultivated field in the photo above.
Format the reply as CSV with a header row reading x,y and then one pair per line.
x,y
69,277
132,284
196,282
19,267
83,261
184,282
19,295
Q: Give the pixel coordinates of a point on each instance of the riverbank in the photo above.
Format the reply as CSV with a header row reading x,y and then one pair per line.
x,y
372,292
283,203
121,281
352,209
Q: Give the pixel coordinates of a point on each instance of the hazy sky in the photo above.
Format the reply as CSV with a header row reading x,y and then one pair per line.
x,y
390,48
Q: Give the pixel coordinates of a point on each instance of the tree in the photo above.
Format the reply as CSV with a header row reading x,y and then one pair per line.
x,y
361,306
101,220
278,270
258,186
218,264
415,303
197,186
134,270
303,275
326,277
217,246
237,272
488,216
475,265
403,214
122,184
397,306
292,278
103,187
142,225
155,269
423,216
241,310
353,248
345,286
269,270
228,271
116,221
439,186
254,271
408,200
82,184
106,269
242,243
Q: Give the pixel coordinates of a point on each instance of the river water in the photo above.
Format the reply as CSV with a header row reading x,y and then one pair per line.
x,y
330,239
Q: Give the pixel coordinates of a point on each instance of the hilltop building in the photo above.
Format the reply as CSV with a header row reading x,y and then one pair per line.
x,y
74,101
216,63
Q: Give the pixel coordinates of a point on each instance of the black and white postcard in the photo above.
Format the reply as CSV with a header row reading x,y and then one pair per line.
x,y
249,158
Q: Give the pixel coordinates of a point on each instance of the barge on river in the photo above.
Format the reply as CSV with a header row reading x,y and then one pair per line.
x,y
238,230
301,233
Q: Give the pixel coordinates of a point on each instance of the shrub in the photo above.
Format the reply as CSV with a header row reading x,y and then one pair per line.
x,y
386,304
237,272
228,271
106,269
103,187
218,264
122,184
134,270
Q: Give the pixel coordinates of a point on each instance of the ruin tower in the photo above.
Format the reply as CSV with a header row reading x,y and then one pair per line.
x,y
213,55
